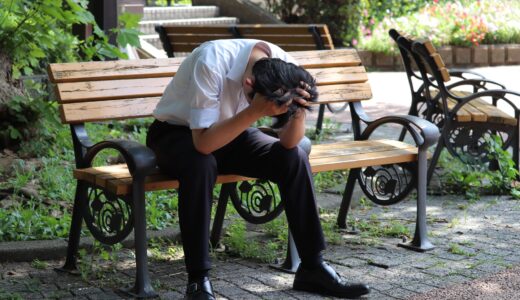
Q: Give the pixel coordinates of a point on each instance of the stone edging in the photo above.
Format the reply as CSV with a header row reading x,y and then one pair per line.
x,y
453,56
57,249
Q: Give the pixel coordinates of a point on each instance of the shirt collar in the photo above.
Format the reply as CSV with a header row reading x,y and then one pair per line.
x,y
239,66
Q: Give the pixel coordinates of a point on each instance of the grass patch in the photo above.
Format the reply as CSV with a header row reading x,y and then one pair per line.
x,y
456,249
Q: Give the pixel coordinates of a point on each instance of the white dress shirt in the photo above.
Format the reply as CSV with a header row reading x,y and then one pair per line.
x,y
207,87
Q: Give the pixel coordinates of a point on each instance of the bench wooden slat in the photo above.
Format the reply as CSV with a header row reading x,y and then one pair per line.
x,y
112,89
463,115
245,29
363,160
284,46
143,107
327,58
344,93
349,147
119,69
196,40
150,87
167,67
494,114
325,157
478,110
107,110
476,114
336,75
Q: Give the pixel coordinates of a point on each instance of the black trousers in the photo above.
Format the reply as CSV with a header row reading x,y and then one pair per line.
x,y
253,154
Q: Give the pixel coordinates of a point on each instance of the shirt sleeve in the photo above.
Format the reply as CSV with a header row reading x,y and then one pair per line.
x,y
205,104
277,52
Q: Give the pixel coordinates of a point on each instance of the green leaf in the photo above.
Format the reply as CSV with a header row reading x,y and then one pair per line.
x,y
14,133
37,52
129,20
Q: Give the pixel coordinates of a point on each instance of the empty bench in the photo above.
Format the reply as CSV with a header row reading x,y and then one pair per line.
x,y
467,110
111,199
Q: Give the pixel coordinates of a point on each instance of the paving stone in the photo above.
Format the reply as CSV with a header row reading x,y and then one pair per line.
x,y
105,296
56,294
171,295
417,287
399,293
86,290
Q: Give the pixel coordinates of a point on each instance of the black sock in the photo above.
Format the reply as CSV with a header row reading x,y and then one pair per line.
x,y
311,263
197,275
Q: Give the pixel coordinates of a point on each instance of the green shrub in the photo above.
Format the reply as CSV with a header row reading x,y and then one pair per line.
x,y
341,16
472,178
346,19
34,34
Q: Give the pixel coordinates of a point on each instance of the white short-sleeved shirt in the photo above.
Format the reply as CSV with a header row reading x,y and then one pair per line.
x,y
208,84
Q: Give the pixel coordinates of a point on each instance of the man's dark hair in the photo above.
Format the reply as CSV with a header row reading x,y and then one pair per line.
x,y
277,80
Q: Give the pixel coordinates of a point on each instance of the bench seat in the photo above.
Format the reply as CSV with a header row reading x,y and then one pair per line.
x,y
325,157
477,110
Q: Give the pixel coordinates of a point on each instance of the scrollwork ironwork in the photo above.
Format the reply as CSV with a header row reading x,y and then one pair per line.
x,y
257,201
467,142
108,217
388,184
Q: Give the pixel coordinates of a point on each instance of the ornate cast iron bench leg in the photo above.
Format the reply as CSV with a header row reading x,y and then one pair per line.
x,y
420,240
347,198
70,265
142,287
218,221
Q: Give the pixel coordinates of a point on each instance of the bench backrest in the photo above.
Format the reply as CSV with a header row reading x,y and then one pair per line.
x,y
290,37
110,90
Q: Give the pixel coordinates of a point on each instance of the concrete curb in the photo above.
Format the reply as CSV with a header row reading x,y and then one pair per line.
x,y
20,251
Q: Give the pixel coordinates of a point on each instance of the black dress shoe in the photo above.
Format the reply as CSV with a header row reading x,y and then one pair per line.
x,y
325,281
200,290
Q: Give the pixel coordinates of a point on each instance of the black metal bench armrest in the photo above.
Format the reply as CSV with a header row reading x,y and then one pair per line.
x,y
423,132
454,72
139,158
479,83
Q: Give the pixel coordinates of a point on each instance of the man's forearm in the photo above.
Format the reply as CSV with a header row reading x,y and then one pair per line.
x,y
292,133
221,133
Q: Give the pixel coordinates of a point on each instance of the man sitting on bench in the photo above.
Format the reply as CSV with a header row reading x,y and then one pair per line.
x,y
203,129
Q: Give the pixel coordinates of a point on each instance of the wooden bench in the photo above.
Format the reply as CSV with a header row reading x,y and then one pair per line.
x,y
182,39
290,37
116,90
466,109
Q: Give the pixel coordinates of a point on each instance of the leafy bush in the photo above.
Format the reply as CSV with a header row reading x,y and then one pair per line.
x,y
34,34
346,19
341,16
460,23
470,179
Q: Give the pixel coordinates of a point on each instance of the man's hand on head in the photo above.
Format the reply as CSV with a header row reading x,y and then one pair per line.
x,y
262,107
304,92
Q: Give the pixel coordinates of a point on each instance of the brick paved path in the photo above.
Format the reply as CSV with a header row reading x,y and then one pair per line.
x,y
485,235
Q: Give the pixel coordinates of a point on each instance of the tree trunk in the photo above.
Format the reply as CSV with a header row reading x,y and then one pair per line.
x,y
7,92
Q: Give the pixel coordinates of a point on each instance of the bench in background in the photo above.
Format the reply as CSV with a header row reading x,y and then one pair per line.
x,y
467,109
387,170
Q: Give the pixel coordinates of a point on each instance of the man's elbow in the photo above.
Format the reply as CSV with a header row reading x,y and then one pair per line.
x,y
288,144
203,149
